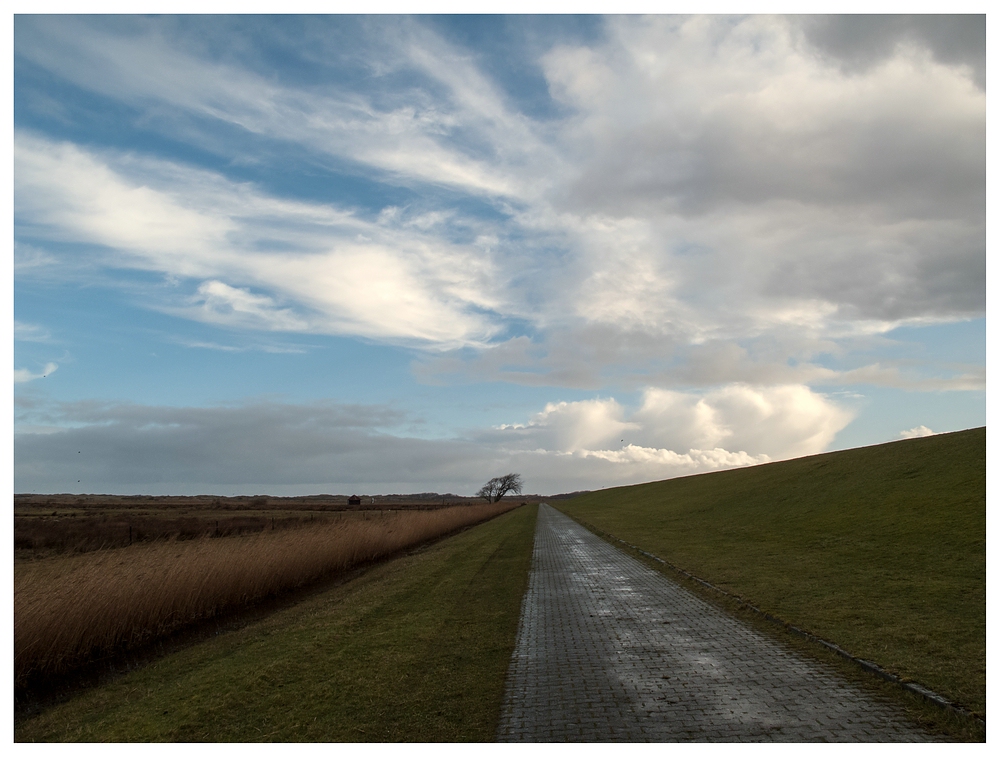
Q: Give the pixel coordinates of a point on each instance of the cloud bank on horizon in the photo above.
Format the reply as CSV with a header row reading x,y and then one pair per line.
x,y
764,235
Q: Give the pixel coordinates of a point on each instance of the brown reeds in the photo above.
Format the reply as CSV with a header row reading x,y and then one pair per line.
x,y
68,611
34,534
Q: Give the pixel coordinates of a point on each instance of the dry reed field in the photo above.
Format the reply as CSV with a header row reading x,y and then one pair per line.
x,y
70,610
49,524
35,536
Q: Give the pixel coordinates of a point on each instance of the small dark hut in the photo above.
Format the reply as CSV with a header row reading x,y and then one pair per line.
x,y
354,500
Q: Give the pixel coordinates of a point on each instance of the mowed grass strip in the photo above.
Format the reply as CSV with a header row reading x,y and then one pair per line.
x,y
881,549
415,649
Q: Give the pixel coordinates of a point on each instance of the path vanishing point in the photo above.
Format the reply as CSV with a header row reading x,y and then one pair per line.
x,y
609,649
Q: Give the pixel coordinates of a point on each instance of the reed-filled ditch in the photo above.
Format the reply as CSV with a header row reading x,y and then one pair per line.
x,y
70,610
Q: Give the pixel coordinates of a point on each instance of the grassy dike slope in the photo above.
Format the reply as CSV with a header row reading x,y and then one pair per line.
x,y
881,549
415,649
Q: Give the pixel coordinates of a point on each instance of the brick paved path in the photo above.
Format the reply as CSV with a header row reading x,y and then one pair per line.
x,y
610,650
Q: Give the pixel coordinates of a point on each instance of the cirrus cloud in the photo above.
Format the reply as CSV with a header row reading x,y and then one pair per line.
x,y
341,274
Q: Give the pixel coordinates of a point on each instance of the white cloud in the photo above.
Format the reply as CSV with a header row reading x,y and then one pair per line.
x,y
30,258
31,332
916,432
200,345
23,375
777,422
187,223
717,201
411,140
578,426
66,193
254,345
762,188
288,448
222,303
692,461
671,433
691,112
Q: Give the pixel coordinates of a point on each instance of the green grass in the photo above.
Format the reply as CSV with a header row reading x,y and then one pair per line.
x,y
415,649
881,550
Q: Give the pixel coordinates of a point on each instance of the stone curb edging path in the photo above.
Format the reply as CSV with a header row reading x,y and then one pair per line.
x,y
914,688
609,649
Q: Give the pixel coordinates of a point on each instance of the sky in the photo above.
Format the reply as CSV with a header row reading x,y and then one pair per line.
x,y
378,254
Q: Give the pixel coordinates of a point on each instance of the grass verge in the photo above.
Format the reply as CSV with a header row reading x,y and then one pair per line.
x,y
881,550
415,649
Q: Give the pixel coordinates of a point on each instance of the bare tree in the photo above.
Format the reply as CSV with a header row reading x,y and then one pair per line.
x,y
495,488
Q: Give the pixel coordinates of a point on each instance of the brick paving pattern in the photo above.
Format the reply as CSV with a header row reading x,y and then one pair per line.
x,y
611,650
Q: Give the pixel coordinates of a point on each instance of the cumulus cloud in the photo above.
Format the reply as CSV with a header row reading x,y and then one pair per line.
x,y
692,461
331,447
689,114
759,182
916,432
574,426
762,423
779,421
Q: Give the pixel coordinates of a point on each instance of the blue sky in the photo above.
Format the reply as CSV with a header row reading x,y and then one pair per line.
x,y
394,254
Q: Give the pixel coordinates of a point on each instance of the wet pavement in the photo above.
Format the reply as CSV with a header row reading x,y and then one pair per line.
x,y
610,650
